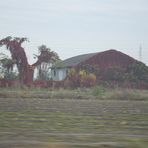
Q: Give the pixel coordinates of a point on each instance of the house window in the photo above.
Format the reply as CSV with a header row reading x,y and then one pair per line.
x,y
54,72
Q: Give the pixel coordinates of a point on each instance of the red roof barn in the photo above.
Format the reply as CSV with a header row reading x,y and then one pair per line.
x,y
101,60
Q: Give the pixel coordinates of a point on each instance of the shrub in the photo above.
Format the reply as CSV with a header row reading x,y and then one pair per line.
x,y
137,71
98,91
80,78
73,78
88,80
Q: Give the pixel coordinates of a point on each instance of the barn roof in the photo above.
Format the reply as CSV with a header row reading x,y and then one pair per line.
x,y
74,61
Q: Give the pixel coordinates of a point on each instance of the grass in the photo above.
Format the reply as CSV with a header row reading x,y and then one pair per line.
x,y
97,92
64,122
78,130
81,118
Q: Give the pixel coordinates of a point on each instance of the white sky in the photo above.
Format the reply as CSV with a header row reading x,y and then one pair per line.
x,y
73,27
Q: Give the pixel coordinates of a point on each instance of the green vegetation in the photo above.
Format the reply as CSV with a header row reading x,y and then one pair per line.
x,y
138,71
97,92
94,117
133,73
75,130
47,58
80,78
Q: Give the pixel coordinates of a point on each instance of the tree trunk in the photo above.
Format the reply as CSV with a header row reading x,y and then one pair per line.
x,y
28,76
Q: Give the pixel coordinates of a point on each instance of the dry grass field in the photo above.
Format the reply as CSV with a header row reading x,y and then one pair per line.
x,y
81,118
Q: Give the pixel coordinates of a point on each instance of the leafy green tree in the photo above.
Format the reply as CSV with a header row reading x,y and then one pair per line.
x,y
138,71
10,75
114,74
46,59
6,68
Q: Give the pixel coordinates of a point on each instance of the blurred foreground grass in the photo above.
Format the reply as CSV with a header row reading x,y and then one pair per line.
x,y
75,130
80,118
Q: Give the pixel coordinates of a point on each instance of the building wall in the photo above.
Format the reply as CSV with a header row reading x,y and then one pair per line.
x,y
58,74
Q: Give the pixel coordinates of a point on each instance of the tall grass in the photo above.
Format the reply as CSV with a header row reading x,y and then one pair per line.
x,y
97,92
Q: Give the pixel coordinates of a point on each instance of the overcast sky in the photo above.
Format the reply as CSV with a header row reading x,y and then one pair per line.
x,y
73,27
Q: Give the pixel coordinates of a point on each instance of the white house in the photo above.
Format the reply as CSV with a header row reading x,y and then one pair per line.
x,y
58,74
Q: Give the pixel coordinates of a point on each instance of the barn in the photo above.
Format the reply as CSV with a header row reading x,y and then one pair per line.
x,y
100,60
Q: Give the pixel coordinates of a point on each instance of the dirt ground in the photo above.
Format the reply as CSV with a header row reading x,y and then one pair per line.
x,y
74,123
